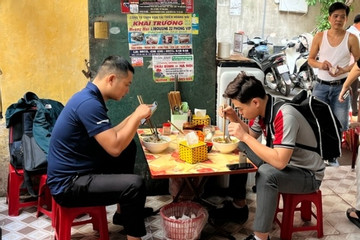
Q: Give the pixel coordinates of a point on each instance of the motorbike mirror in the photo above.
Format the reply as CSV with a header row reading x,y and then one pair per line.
x,y
291,44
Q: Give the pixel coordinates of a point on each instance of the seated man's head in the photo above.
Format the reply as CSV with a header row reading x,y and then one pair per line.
x,y
114,77
247,94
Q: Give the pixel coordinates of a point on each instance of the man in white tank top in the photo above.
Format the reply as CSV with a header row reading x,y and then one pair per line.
x,y
334,48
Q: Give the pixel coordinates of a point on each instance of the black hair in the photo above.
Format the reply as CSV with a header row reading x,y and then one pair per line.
x,y
115,64
244,88
357,18
339,6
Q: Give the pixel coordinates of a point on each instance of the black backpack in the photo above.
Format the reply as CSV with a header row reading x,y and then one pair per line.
x,y
323,122
25,153
30,122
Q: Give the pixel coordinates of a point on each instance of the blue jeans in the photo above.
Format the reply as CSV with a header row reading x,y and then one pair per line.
x,y
330,94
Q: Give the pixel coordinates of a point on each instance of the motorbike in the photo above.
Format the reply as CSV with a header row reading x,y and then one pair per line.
x,y
297,51
277,75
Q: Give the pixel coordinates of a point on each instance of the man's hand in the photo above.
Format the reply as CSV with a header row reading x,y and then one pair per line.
x,y
337,71
236,130
341,97
325,65
230,113
143,111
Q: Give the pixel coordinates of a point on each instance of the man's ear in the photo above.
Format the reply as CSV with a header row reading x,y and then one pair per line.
x,y
111,78
256,101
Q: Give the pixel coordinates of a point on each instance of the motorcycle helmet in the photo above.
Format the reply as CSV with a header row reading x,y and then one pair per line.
x,y
301,47
305,39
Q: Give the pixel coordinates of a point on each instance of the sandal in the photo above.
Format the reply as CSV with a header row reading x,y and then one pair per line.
x,y
354,220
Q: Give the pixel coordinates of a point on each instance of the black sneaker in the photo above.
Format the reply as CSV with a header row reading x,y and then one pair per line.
x,y
230,213
332,162
118,218
252,237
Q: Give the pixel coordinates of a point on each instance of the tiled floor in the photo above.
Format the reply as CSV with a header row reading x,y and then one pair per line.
x,y
338,190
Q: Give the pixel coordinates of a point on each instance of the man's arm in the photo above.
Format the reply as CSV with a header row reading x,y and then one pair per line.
x,y
314,50
116,139
121,124
354,49
277,157
353,75
233,117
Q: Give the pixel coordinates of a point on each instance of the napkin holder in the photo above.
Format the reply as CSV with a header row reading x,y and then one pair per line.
x,y
200,120
193,153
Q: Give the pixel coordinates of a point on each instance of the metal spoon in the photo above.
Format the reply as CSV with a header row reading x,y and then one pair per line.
x,y
226,137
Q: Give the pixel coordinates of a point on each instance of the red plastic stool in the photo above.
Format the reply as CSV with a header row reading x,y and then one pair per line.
x,y
290,202
44,200
63,219
15,180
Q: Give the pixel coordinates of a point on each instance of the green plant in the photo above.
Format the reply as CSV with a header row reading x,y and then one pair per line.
x,y
322,22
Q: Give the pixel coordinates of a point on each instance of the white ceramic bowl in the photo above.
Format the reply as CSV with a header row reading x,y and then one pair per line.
x,y
156,147
223,147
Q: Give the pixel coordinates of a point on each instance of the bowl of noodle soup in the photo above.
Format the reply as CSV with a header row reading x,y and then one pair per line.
x,y
154,145
225,147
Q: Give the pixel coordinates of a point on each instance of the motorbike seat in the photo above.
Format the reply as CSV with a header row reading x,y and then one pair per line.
x,y
304,54
272,57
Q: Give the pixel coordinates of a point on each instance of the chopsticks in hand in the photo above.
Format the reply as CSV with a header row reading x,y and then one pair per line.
x,y
152,128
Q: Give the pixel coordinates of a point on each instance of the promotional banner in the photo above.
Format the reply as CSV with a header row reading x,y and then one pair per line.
x,y
166,67
159,34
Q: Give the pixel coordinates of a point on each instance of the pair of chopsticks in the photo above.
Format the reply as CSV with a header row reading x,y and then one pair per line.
x,y
152,128
174,98
180,131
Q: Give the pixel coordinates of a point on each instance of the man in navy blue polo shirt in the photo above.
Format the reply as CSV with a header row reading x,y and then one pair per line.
x,y
91,162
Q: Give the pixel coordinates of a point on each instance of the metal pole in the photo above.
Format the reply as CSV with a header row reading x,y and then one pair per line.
x,y
263,25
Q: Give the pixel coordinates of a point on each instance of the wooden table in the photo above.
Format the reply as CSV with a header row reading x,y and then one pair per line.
x,y
167,164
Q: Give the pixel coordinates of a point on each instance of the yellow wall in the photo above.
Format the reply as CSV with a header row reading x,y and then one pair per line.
x,y
43,45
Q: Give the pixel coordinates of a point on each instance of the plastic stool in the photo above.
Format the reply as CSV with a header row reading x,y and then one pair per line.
x,y
15,180
63,219
44,199
354,131
290,202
